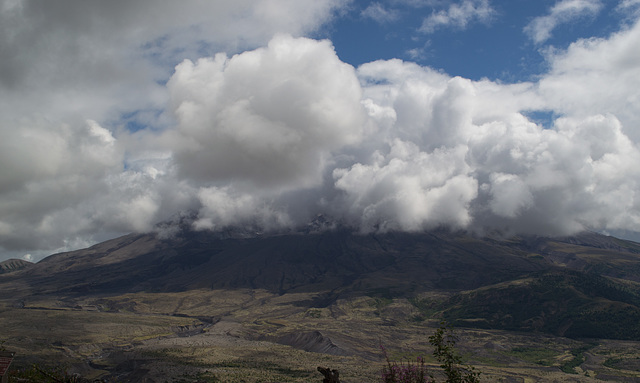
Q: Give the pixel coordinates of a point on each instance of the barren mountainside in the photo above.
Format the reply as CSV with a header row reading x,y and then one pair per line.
x,y
563,286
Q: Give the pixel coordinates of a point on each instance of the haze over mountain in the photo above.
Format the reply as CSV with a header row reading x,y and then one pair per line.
x,y
480,115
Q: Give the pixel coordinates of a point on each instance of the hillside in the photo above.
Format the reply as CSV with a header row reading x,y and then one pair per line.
x,y
12,265
336,293
567,286
334,261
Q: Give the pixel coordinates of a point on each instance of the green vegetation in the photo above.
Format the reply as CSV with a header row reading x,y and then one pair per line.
x,y
314,313
567,303
612,362
445,352
41,374
380,303
578,358
541,356
400,373
240,329
444,341
623,362
427,306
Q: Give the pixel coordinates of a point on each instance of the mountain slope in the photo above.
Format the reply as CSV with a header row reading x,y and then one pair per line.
x,y
564,303
332,261
11,265
566,286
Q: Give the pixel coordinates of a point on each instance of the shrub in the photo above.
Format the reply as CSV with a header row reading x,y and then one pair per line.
x,y
445,352
444,342
404,373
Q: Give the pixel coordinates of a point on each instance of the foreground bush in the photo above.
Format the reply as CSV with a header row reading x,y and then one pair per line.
x,y
445,352
401,373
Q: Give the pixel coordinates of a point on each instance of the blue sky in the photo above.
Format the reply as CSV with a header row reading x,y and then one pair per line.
x,y
517,117
496,47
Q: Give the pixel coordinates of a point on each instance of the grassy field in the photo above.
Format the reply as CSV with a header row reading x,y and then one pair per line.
x,y
237,336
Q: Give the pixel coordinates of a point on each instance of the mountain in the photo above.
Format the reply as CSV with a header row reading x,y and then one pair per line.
x,y
241,305
11,265
339,261
582,286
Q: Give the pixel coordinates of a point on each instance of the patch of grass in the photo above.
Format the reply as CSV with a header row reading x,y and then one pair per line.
x,y
541,356
264,371
380,303
623,363
253,319
313,313
596,307
578,358
161,353
612,362
409,356
381,292
494,360
426,306
42,374
208,377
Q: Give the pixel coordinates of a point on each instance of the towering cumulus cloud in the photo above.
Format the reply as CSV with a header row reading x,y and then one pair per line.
x,y
269,117
465,154
262,122
403,148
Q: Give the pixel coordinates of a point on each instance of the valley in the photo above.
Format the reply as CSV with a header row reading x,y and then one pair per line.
x,y
140,309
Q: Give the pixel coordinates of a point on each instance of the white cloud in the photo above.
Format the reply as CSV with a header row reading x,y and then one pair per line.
x,y
529,179
70,71
380,14
625,4
224,207
82,55
269,117
408,189
598,76
449,151
540,29
35,151
459,15
509,195
270,136
629,8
